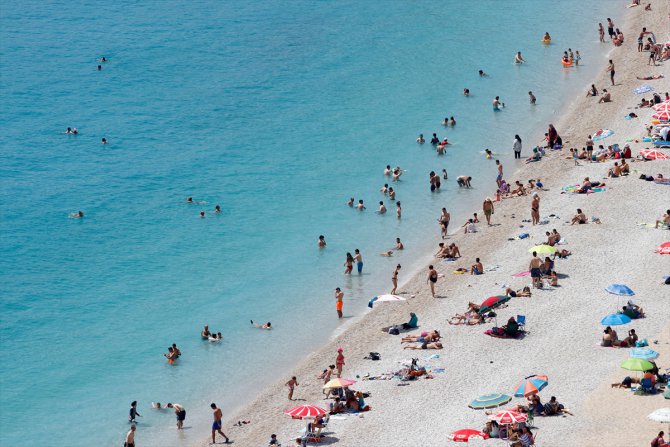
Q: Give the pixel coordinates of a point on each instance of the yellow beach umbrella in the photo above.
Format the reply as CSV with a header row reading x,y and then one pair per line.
x,y
339,383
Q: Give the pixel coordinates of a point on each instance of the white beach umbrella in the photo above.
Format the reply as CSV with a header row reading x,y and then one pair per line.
x,y
386,298
661,415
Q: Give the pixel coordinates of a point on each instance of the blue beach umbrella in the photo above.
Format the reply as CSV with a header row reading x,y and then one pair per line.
x,y
644,353
620,289
531,385
615,320
489,401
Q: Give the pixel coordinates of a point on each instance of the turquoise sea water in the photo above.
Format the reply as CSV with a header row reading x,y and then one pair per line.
x,y
277,111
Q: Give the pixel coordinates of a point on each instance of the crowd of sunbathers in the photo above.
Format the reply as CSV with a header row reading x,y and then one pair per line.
x,y
505,190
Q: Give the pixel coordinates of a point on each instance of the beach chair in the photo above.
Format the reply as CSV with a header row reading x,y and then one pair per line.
x,y
521,321
647,387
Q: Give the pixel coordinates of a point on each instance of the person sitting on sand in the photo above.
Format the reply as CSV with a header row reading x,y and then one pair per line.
x,y
554,407
606,97
436,345
337,407
504,187
267,325
547,266
454,252
477,268
553,278
537,156
615,171
593,91
442,251
470,226
519,191
525,292
579,218
664,221
511,328
624,167
637,310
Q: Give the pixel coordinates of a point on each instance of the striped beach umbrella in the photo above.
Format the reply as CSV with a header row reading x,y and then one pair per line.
x,y
615,320
651,154
661,415
620,289
644,353
531,385
466,434
339,383
508,417
489,401
632,364
662,107
662,116
305,411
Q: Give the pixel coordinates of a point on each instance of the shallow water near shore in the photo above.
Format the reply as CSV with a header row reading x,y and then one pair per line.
x,y
279,113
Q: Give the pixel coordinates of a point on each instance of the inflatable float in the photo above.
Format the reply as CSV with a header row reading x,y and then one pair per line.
x,y
566,63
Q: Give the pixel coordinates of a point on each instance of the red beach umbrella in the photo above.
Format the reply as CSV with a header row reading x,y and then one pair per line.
x,y
662,116
662,107
305,411
508,417
653,155
664,249
466,434
492,302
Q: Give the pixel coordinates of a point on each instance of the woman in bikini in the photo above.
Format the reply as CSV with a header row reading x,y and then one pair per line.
x,y
394,279
349,264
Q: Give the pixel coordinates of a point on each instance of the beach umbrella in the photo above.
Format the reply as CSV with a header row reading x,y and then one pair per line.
x,y
661,415
305,411
466,434
531,385
602,134
615,320
339,383
543,249
632,364
664,249
661,116
492,302
620,289
644,353
489,401
651,154
662,107
385,298
508,417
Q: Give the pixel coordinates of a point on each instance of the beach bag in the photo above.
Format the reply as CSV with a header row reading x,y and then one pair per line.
x,y
643,177
641,343
375,356
523,235
393,330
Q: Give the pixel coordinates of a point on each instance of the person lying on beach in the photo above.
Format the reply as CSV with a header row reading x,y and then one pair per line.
x,y
579,218
267,325
471,318
606,97
650,77
626,382
664,221
424,337
525,292
633,311
644,103
436,345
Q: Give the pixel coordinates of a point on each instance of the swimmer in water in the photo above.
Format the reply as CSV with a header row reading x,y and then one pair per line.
x,y
267,325
77,215
421,139
99,67
104,141
103,59
202,214
189,200
518,59
452,121
217,209
398,244
360,205
214,338
322,241
446,121
384,189
532,97
387,254
482,74
170,356
488,153
382,208
434,141
398,210
497,104
444,174
387,170
466,92
546,37
350,203
204,334
397,172
74,131
391,193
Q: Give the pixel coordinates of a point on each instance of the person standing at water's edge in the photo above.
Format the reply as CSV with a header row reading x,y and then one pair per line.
x,y
339,295
348,264
394,279
216,425
132,414
359,261
291,384
610,68
500,173
130,437
517,146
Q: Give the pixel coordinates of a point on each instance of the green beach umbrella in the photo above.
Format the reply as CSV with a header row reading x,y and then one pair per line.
x,y
543,249
632,364
489,401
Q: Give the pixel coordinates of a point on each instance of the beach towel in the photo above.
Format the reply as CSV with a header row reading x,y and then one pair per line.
x,y
660,143
519,275
602,134
492,268
642,89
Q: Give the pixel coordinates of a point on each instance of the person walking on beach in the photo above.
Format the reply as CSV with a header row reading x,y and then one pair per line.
x,y
444,219
610,68
180,412
610,28
589,147
432,279
359,261
517,147
130,437
216,425
349,264
535,209
132,414
339,361
535,272
394,279
488,209
500,173
339,294
601,32
291,384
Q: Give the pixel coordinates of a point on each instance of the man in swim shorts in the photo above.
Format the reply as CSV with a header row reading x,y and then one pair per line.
x,y
359,260
180,412
534,267
338,301
216,425
130,437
